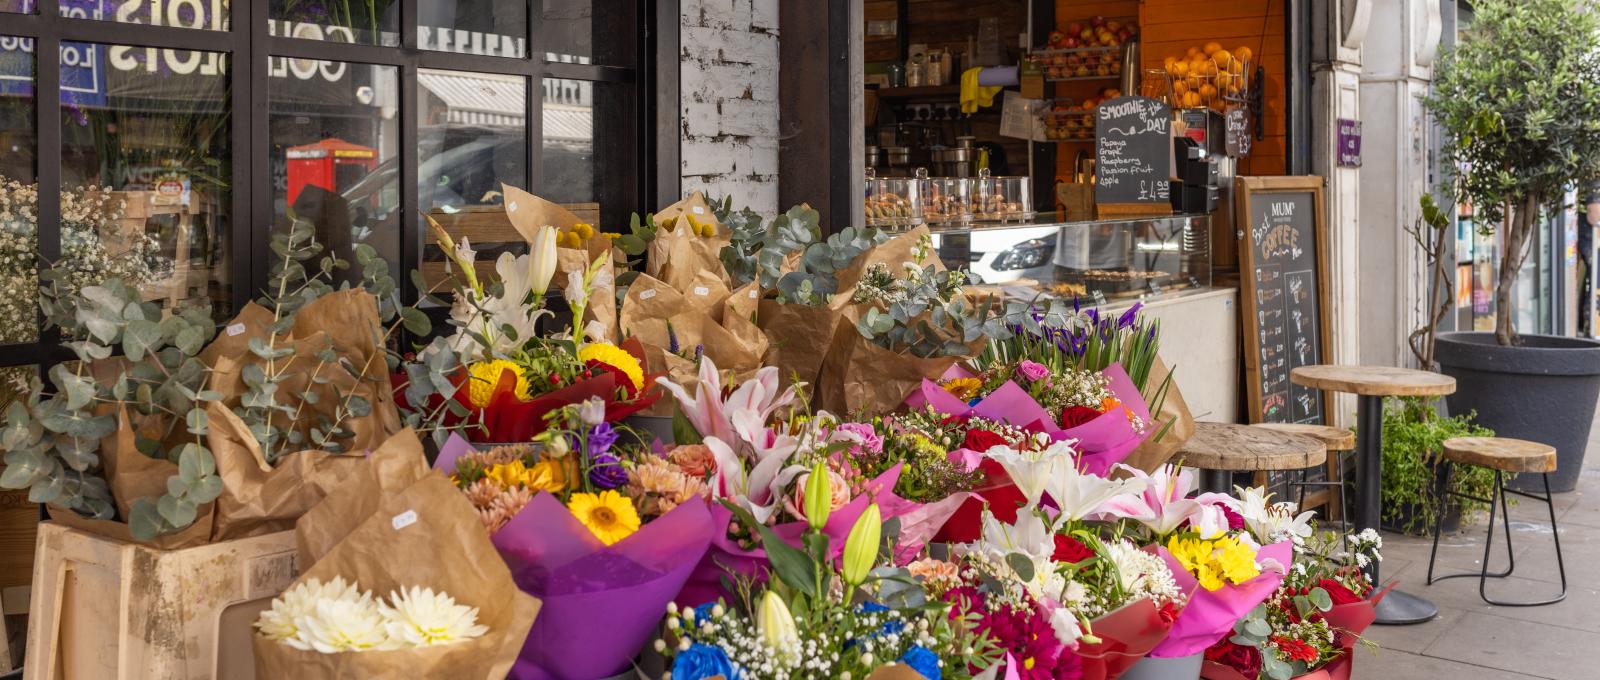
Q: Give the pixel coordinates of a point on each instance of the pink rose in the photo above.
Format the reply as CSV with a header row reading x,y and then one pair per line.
x,y
838,492
870,441
695,460
1033,371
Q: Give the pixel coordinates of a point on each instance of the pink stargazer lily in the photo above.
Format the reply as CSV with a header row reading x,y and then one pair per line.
x,y
712,416
1163,505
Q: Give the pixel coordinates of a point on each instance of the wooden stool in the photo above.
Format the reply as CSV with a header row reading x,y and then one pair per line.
x,y
1503,455
1219,449
1339,443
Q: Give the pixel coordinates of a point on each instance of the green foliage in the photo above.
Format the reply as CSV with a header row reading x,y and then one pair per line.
x,y
814,281
757,251
1413,436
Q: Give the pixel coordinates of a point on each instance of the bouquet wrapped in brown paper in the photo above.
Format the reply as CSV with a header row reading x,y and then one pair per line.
x,y
677,328
580,247
688,242
189,438
1171,418
403,582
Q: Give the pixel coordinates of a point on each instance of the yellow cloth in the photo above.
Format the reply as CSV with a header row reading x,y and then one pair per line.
x,y
974,95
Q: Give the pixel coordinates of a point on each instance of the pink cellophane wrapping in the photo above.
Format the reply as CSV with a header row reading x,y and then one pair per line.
x,y
1209,615
606,601
918,523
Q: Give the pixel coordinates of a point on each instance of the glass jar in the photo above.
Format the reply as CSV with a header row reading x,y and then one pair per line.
x,y
895,201
1002,199
949,200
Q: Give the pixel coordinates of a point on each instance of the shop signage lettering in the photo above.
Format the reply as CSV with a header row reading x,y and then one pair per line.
x,y
1133,151
1349,139
442,39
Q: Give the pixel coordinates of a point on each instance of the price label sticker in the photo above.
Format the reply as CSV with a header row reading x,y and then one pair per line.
x,y
702,291
752,293
235,329
647,294
404,520
698,210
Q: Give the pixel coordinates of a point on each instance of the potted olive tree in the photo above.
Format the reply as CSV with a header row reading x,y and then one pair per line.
x,y
1519,104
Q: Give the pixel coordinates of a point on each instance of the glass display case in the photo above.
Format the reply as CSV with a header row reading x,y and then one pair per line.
x,y
949,200
1002,199
1103,260
895,201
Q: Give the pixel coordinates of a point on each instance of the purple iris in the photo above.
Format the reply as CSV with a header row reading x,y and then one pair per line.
x,y
1129,317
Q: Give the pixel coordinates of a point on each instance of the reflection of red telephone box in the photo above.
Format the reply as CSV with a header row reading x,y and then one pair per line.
x,y
332,164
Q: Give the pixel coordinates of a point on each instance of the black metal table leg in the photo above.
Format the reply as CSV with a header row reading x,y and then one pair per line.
x,y
1398,608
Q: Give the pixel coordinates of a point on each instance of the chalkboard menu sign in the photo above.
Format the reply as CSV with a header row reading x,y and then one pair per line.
x,y
1239,134
1133,156
1284,294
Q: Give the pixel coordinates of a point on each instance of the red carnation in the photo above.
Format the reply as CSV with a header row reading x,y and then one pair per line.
x,y
1235,520
1074,416
1338,592
1071,550
1242,658
982,440
1295,650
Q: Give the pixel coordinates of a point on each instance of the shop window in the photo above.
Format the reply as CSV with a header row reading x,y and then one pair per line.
x,y
17,6
496,28
334,151
588,138
375,22
19,199
582,32
146,186
204,15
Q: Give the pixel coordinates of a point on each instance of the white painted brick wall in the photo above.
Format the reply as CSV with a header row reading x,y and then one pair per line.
x,y
729,79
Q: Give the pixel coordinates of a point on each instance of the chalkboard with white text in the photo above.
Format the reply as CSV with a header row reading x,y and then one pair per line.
x,y
1133,152
1284,300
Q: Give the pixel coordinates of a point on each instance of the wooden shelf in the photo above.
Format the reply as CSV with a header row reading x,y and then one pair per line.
x,y
926,92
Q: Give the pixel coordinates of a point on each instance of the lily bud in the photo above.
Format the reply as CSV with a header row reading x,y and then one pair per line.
x,y
819,497
861,546
775,623
542,259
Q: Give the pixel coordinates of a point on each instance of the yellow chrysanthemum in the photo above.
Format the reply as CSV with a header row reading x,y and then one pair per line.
x,y
610,515
963,388
485,376
507,475
546,475
1215,563
615,357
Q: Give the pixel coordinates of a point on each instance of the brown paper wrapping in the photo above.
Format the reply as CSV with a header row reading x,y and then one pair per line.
x,y
708,315
798,337
388,471
427,535
346,321
677,255
528,213
861,377
1153,454
895,252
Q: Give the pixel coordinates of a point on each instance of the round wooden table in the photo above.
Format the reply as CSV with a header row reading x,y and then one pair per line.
x,y
1371,384
1219,449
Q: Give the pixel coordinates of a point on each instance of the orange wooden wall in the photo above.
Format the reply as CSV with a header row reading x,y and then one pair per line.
x,y
1170,27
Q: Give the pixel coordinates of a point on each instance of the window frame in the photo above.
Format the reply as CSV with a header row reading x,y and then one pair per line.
x,y
248,47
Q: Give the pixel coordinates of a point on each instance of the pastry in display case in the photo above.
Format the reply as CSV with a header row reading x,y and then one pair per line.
x,y
1002,199
949,200
1100,260
895,201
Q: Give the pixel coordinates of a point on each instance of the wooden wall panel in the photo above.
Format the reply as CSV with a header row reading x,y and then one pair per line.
x,y
942,23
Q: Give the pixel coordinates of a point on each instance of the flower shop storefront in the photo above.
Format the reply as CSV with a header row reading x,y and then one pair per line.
x,y
362,357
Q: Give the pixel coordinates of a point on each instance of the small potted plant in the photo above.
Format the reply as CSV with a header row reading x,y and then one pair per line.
x,y
1519,103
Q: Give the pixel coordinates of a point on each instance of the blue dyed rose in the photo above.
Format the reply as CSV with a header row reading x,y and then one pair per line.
x,y
920,659
702,661
888,627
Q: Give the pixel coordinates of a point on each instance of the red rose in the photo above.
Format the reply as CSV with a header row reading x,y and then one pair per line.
x,y
1074,416
1242,658
1338,592
982,440
1071,550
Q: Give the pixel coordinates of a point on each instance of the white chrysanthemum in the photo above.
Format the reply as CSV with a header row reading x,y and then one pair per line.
x,y
420,617
342,626
1142,573
278,623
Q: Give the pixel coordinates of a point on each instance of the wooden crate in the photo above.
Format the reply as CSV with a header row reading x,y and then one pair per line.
x,y
104,609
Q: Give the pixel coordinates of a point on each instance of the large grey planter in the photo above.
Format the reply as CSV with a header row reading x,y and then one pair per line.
x,y
1175,668
1542,391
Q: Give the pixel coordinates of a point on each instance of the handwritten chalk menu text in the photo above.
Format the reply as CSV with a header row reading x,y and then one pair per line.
x,y
1133,151
1285,304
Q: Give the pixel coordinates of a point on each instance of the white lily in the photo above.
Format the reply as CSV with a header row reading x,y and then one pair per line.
x,y
542,263
490,316
1065,626
1032,470
1272,522
1078,494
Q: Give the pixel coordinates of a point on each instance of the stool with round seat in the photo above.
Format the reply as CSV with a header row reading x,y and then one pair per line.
x,y
1503,455
1338,442
1220,449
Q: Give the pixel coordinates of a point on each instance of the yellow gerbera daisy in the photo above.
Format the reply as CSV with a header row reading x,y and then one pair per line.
x,y
615,357
963,388
484,376
610,515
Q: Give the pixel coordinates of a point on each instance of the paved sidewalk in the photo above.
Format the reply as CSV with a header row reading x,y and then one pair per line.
x,y
1472,640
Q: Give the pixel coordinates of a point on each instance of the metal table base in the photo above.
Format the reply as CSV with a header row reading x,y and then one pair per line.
x,y
1398,608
